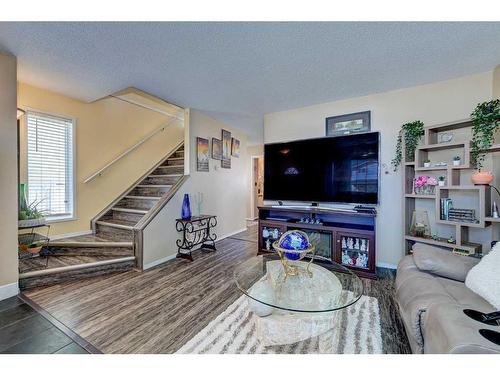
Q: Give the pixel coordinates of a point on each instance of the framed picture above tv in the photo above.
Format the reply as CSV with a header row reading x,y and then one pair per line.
x,y
351,123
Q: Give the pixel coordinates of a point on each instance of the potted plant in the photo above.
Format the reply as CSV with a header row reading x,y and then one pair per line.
x,y
441,180
427,163
456,161
486,121
411,132
30,215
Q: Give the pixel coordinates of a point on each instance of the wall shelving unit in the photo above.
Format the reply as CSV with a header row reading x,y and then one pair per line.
x,y
456,185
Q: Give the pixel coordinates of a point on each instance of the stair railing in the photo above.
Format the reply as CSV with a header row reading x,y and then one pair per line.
x,y
129,150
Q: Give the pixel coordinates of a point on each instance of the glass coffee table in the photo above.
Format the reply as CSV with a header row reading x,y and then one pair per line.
x,y
291,308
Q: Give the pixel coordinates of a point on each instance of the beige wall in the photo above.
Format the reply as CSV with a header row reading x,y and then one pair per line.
x,y
496,82
433,103
225,192
8,177
104,129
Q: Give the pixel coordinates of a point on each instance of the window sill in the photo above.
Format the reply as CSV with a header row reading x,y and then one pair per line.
x,y
60,219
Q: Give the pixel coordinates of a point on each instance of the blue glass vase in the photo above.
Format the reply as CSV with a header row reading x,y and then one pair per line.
x,y
186,207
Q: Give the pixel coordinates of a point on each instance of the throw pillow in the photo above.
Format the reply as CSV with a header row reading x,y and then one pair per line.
x,y
484,278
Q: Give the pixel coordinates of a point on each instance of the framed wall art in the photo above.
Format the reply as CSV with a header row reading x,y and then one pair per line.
x,y
202,154
348,124
235,147
226,149
216,149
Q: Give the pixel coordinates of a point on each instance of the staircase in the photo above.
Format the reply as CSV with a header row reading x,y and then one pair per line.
x,y
115,244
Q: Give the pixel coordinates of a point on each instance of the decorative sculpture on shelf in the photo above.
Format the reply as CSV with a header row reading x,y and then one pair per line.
x,y
292,247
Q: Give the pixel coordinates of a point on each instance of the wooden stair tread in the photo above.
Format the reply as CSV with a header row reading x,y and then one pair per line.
x,y
176,158
115,223
130,210
142,197
58,264
97,244
166,175
153,185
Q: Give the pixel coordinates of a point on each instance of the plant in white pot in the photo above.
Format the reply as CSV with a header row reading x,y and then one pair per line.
x,y
456,160
486,122
31,216
441,180
427,163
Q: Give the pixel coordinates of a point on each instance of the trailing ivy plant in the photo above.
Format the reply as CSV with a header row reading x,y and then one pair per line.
x,y
485,123
411,132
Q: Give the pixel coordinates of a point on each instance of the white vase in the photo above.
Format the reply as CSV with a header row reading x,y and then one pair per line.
x,y
427,165
456,163
441,183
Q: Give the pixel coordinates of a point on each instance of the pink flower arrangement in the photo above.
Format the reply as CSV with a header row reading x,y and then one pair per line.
x,y
420,181
431,181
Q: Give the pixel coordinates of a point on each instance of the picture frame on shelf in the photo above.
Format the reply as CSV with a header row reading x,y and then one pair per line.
x,y
351,123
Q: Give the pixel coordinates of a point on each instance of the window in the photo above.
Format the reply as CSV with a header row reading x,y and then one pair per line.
x,y
50,164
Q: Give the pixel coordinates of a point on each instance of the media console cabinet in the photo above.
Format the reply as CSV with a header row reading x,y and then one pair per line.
x,y
346,237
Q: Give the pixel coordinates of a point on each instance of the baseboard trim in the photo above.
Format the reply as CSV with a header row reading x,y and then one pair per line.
x,y
230,234
387,265
158,262
172,256
9,290
67,235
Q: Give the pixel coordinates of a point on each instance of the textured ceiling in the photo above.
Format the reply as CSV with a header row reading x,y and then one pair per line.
x,y
239,71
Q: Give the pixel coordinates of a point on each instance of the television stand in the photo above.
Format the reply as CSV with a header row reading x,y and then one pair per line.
x,y
344,236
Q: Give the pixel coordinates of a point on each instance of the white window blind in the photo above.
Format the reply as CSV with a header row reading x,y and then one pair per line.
x,y
50,164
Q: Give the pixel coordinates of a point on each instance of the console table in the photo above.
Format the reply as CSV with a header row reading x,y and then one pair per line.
x,y
344,236
195,231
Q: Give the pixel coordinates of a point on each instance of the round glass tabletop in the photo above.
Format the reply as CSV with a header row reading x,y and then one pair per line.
x,y
299,286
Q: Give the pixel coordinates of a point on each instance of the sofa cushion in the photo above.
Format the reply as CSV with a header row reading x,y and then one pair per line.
x,y
415,292
442,262
463,295
484,278
448,330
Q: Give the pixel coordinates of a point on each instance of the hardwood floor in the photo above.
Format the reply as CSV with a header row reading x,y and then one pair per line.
x,y
159,310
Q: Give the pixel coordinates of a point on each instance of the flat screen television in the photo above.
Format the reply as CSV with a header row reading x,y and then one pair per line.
x,y
330,169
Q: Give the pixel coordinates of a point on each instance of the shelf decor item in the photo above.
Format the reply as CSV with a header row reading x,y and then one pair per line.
x,y
427,163
486,121
441,180
293,246
482,178
410,133
348,124
424,185
420,226
186,208
456,161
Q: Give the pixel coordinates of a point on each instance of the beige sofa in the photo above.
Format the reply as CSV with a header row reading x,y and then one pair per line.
x,y
431,295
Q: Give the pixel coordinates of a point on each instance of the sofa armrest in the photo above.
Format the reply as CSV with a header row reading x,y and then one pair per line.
x,y
441,262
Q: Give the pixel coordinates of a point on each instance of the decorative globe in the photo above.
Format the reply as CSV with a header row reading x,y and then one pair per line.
x,y
296,242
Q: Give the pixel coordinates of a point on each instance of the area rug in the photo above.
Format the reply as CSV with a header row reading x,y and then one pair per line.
x,y
234,332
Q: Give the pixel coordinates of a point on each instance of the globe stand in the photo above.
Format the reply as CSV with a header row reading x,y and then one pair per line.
x,y
289,267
